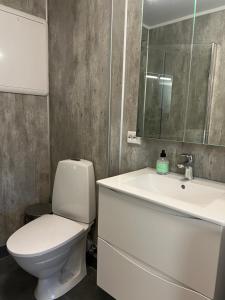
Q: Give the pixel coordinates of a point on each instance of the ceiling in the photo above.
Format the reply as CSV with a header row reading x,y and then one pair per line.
x,y
159,12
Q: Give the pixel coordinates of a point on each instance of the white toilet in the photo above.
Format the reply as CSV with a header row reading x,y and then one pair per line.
x,y
53,247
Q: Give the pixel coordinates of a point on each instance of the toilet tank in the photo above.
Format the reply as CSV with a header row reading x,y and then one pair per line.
x,y
74,191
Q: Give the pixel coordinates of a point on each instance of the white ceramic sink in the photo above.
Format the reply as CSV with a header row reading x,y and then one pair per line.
x,y
199,198
170,186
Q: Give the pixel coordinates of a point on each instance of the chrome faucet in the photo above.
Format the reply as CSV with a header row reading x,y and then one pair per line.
x,y
187,165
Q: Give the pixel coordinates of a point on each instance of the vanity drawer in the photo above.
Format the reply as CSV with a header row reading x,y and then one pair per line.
x,y
126,279
183,248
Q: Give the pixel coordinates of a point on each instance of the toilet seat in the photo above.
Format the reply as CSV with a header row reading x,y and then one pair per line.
x,y
44,235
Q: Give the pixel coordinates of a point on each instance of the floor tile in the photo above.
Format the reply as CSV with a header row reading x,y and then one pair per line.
x,y
15,284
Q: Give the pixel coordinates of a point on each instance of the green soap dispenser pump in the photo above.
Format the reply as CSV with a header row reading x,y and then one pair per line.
x,y
162,164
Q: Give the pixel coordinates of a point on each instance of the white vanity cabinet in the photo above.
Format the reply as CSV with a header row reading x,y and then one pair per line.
x,y
150,252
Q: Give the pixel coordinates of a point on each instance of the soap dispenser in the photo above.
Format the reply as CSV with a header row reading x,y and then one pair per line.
x,y
162,164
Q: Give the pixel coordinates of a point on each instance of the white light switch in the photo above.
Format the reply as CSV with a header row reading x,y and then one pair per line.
x,y
132,138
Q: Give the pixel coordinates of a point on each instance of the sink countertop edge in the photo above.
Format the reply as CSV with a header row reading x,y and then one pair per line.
x,y
117,184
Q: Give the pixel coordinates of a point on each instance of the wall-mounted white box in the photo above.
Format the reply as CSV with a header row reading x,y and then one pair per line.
x,y
23,53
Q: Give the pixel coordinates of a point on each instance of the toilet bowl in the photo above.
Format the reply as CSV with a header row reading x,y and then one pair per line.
x,y
53,247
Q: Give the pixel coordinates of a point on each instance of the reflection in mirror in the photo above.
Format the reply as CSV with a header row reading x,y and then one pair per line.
x,y
200,93
207,75
180,70
165,68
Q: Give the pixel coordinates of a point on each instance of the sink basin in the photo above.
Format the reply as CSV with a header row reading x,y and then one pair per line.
x,y
199,198
176,188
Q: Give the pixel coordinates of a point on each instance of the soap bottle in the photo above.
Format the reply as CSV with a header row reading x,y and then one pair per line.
x,y
162,164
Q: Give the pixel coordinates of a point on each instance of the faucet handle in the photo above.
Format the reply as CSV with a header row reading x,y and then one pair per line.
x,y
188,156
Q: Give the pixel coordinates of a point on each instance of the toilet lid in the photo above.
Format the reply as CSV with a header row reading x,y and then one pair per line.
x,y
43,235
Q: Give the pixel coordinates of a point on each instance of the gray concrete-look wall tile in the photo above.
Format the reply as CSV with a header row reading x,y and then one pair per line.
x,y
133,49
24,151
79,33
24,158
34,7
116,89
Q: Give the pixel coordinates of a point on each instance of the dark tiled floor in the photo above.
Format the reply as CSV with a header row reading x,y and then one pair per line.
x,y
15,284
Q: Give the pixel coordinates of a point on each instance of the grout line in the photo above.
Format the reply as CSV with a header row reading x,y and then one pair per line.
x,y
110,93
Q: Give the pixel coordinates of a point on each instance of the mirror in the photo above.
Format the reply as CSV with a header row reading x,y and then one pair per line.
x,y
181,87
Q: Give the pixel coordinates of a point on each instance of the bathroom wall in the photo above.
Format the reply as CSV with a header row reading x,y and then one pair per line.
x,y
117,59
209,160
80,44
24,151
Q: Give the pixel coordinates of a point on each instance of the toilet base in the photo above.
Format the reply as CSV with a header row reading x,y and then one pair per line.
x,y
72,272
52,288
